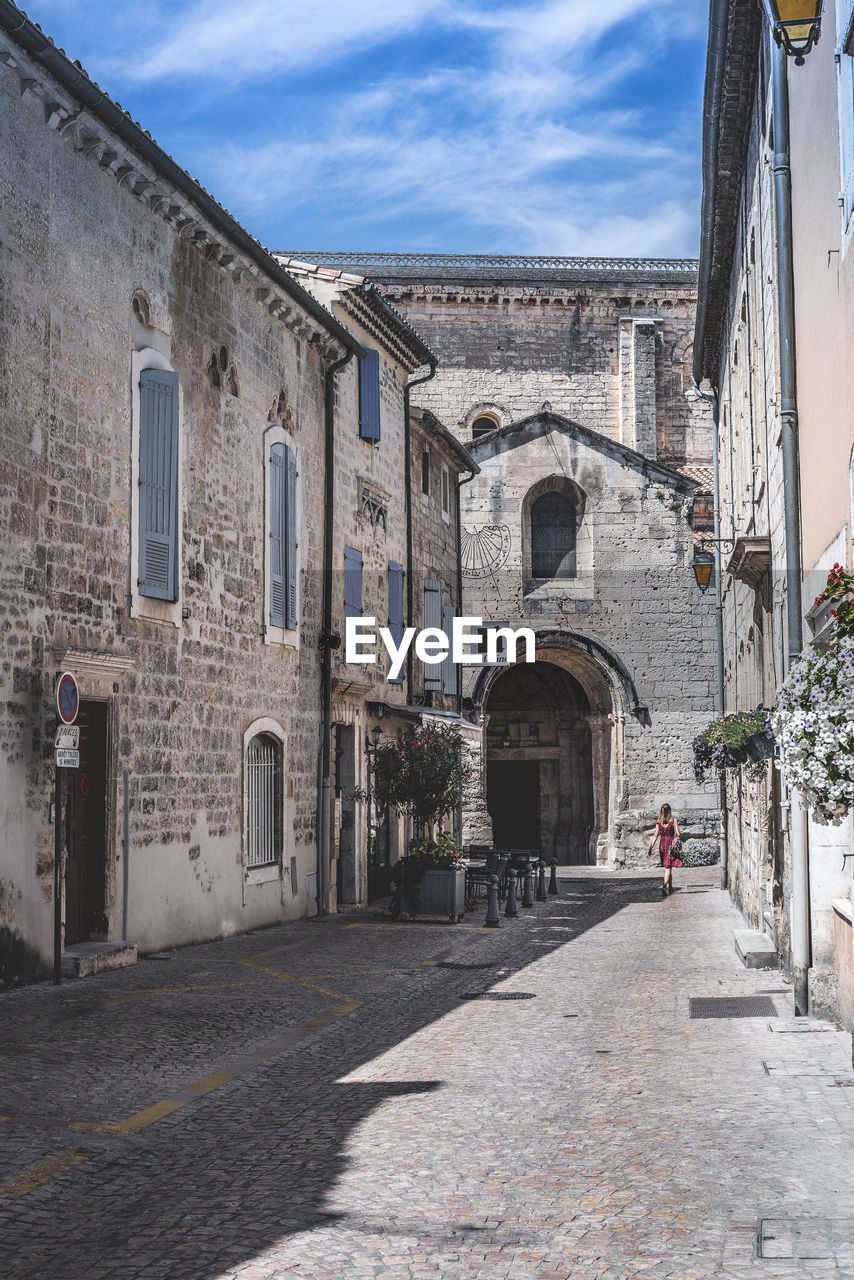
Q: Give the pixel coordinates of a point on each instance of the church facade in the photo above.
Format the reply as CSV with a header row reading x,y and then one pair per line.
x,y
569,382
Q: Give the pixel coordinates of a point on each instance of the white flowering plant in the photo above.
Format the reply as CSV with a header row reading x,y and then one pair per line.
x,y
813,723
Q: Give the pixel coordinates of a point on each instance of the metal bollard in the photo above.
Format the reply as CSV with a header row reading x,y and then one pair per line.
x,y
492,920
528,890
541,881
553,877
511,908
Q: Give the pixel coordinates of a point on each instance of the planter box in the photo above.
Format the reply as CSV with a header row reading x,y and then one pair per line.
x,y
442,893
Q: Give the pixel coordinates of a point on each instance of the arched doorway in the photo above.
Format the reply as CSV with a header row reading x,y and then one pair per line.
x,y
540,762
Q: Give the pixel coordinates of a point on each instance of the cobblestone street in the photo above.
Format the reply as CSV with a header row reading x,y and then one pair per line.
x,y
326,1100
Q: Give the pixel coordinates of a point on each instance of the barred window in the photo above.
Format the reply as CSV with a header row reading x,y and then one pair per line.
x,y
553,536
264,808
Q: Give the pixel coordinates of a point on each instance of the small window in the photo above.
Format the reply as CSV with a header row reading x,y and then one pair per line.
x,y
369,396
446,491
158,484
482,426
352,583
395,606
283,537
264,795
425,471
553,536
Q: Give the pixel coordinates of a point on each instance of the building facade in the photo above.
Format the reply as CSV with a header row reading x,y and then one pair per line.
x,y
774,117
569,381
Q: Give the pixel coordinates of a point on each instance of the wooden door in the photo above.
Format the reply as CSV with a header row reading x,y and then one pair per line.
x,y
85,826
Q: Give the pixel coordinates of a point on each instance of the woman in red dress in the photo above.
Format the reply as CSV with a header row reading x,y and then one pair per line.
x,y
666,832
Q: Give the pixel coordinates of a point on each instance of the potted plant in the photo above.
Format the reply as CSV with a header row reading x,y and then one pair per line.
x,y
731,742
421,774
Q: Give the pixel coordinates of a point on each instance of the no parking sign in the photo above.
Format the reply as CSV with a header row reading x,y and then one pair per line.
x,y
67,697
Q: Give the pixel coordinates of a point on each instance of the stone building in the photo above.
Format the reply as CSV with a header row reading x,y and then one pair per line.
x,y
163,412
569,381
396,542
763,115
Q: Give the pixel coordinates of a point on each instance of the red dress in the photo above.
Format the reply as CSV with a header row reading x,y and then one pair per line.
x,y
667,834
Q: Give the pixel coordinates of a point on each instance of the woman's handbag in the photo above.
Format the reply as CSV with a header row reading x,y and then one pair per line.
x,y
676,850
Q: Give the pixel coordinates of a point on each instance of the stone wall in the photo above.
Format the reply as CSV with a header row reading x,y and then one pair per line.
x,y
182,684
509,345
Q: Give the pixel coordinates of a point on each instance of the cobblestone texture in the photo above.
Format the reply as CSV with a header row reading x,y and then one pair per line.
x,y
316,1100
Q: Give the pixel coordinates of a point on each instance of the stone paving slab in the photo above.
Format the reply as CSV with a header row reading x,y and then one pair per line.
x,y
319,1100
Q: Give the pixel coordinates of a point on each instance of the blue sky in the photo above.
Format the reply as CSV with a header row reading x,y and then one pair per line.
x,y
491,126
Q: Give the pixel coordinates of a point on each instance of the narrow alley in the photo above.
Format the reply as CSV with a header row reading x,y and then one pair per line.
x,y
365,1099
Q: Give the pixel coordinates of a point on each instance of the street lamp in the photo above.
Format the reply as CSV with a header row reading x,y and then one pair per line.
x,y
796,24
702,566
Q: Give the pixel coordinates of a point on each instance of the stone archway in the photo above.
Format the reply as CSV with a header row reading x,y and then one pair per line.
x,y
539,762
553,751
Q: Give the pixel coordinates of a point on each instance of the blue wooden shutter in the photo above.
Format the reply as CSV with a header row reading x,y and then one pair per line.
x,y
158,484
395,605
369,396
352,583
278,505
291,540
432,618
449,667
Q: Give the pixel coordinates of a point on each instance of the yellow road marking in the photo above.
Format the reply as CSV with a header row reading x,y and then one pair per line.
x,y
141,1120
53,1167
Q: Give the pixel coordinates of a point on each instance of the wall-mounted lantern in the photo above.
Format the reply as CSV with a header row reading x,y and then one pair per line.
x,y
796,23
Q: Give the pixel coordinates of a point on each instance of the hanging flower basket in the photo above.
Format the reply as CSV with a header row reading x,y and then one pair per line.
x,y
813,721
730,742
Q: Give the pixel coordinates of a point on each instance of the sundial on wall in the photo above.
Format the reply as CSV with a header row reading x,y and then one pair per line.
x,y
484,549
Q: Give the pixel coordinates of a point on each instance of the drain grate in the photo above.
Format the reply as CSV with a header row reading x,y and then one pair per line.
x,y
451,964
499,995
732,1007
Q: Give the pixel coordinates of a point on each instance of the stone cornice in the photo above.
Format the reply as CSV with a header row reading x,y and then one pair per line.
x,y
129,155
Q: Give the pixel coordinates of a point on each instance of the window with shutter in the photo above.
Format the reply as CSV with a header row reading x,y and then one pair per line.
x,y
352,583
158,484
278,507
369,395
553,536
432,618
395,606
291,540
449,667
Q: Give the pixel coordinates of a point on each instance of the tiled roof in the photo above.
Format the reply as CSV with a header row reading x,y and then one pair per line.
x,y
704,476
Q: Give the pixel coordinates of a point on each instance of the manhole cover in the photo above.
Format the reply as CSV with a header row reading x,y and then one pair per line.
x,y
732,1007
499,995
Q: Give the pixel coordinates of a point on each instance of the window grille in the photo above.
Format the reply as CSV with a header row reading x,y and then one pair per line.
x,y
553,536
264,788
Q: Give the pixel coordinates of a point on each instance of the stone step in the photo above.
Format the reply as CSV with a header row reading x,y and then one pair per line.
x,y
84,958
755,950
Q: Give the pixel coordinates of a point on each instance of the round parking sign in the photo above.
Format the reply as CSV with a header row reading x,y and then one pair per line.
x,y
67,698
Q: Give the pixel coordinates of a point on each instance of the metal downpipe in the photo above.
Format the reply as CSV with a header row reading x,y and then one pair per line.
x,y
407,467
327,639
801,940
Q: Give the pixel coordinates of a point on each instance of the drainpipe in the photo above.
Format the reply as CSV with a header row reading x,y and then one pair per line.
x,y
328,640
714,399
467,480
407,467
801,940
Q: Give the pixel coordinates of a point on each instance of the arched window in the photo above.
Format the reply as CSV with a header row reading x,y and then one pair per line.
x,y
482,426
553,527
264,807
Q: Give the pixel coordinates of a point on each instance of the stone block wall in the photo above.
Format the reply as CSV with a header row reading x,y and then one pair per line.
x,y
79,244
